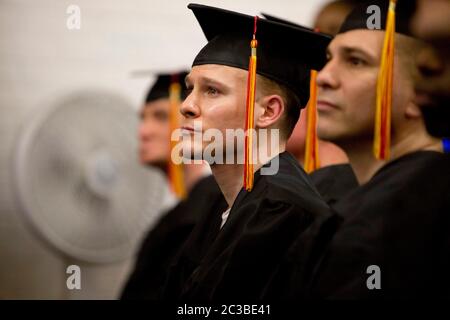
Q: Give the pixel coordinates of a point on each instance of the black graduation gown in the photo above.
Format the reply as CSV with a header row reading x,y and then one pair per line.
x,y
400,222
239,260
165,240
334,182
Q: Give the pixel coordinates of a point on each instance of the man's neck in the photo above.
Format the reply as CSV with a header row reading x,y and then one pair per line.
x,y
362,159
363,162
413,140
230,177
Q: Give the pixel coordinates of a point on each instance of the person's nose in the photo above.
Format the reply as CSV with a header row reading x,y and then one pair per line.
x,y
327,78
144,130
189,108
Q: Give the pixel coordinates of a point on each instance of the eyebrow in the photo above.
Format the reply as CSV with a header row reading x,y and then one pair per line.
x,y
206,80
349,50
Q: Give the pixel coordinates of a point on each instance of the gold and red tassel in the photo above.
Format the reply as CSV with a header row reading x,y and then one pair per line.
x,y
311,141
249,116
382,134
175,171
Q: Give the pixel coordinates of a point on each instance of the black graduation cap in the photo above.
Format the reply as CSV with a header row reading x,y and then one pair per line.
x,y
286,53
358,18
160,89
281,20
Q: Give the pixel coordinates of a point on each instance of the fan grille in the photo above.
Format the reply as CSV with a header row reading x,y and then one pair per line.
x,y
79,181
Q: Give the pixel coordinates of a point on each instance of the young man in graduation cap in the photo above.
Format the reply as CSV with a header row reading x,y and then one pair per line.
x,y
193,186
232,254
328,20
394,240
432,24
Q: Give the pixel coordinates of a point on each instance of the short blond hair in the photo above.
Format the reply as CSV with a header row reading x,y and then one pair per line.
x,y
266,86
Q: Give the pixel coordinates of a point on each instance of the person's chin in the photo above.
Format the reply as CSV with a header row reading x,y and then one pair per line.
x,y
326,128
146,159
191,154
154,163
327,135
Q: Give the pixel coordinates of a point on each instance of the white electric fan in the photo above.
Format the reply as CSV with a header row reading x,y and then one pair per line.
x,y
78,182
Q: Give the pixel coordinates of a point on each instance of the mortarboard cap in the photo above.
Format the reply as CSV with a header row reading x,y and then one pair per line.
x,y
362,16
283,21
160,89
286,53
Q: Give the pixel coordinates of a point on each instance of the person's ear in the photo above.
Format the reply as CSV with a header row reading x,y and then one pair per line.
x,y
268,110
412,111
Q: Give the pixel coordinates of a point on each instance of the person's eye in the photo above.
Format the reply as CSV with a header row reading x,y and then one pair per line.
x,y
212,91
161,116
354,61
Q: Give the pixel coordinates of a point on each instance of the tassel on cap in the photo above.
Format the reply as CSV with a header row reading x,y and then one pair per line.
x,y
382,135
176,173
249,122
311,141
